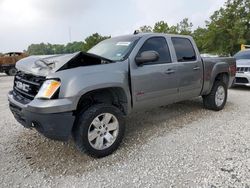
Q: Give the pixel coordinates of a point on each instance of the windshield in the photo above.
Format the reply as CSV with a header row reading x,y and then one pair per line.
x,y
115,49
243,55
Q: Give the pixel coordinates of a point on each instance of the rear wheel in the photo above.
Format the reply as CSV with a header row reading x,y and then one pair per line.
x,y
99,130
217,98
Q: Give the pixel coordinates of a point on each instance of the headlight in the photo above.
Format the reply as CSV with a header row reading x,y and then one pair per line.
x,y
48,89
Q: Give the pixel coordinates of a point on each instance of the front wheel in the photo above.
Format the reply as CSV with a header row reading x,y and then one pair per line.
x,y
99,130
217,98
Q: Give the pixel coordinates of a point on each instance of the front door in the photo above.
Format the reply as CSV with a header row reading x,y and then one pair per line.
x,y
154,83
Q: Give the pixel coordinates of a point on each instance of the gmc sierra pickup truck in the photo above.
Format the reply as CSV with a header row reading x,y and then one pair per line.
x,y
87,95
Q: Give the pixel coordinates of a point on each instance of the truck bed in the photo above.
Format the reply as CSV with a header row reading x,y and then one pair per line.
x,y
224,64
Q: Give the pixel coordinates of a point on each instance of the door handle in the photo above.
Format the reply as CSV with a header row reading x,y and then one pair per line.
x,y
196,68
169,71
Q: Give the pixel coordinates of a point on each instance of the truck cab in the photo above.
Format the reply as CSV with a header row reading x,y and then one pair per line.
x,y
179,69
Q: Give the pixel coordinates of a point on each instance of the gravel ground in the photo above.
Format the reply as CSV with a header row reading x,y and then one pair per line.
x,y
180,145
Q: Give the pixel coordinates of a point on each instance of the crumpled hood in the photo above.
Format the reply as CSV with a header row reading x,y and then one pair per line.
x,y
243,63
44,64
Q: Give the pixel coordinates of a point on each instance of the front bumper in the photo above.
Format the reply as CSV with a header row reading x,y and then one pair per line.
x,y
54,119
242,79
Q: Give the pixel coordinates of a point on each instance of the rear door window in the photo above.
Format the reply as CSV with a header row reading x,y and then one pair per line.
x,y
184,49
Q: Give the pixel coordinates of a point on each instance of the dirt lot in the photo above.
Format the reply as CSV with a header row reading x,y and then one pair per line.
x,y
181,145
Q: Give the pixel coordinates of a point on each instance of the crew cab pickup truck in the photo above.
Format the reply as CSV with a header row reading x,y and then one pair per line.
x,y
87,95
8,62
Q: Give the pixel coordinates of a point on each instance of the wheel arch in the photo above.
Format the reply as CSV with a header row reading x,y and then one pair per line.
x,y
111,95
221,76
220,71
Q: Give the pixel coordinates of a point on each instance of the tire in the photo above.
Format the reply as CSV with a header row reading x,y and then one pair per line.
x,y
12,72
217,98
93,137
233,84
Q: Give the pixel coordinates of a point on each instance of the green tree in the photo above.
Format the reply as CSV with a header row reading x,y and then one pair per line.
x,y
145,29
93,40
199,36
173,30
47,49
37,49
184,27
73,47
229,27
161,27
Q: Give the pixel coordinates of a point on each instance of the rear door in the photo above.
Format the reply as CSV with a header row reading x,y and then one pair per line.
x,y
190,68
154,83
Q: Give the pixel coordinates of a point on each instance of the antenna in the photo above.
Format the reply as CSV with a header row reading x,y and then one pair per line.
x,y
136,32
69,34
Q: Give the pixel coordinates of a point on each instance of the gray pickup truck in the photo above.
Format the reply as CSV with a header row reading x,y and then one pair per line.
x,y
87,95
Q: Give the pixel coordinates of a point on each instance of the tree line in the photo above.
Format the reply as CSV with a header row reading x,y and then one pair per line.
x,y
225,30
47,49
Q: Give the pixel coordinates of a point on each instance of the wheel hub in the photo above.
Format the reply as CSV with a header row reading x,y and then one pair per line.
x,y
103,131
220,96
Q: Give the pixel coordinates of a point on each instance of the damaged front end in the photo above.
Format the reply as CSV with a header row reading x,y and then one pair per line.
x,y
46,64
29,101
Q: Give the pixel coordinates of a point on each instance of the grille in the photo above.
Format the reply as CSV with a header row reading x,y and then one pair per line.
x,y
243,69
26,86
241,80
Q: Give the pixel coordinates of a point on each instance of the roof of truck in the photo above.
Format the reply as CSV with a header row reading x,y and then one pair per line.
x,y
138,35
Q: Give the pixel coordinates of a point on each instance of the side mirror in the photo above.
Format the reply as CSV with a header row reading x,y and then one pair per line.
x,y
147,56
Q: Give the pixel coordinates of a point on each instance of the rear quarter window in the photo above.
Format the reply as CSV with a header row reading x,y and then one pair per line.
x,y
184,49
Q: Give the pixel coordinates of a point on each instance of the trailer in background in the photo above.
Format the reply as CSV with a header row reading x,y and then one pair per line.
x,y
8,62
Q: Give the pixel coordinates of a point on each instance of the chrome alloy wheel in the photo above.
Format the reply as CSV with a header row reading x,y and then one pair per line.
x,y
103,131
220,96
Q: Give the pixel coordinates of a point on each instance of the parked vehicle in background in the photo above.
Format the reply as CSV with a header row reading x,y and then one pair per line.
x,y
8,62
243,68
88,94
209,55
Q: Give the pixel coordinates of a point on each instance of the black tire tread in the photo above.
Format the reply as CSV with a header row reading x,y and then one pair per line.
x,y
9,73
209,100
84,119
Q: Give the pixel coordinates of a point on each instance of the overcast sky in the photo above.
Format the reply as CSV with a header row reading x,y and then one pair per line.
x,y
23,22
